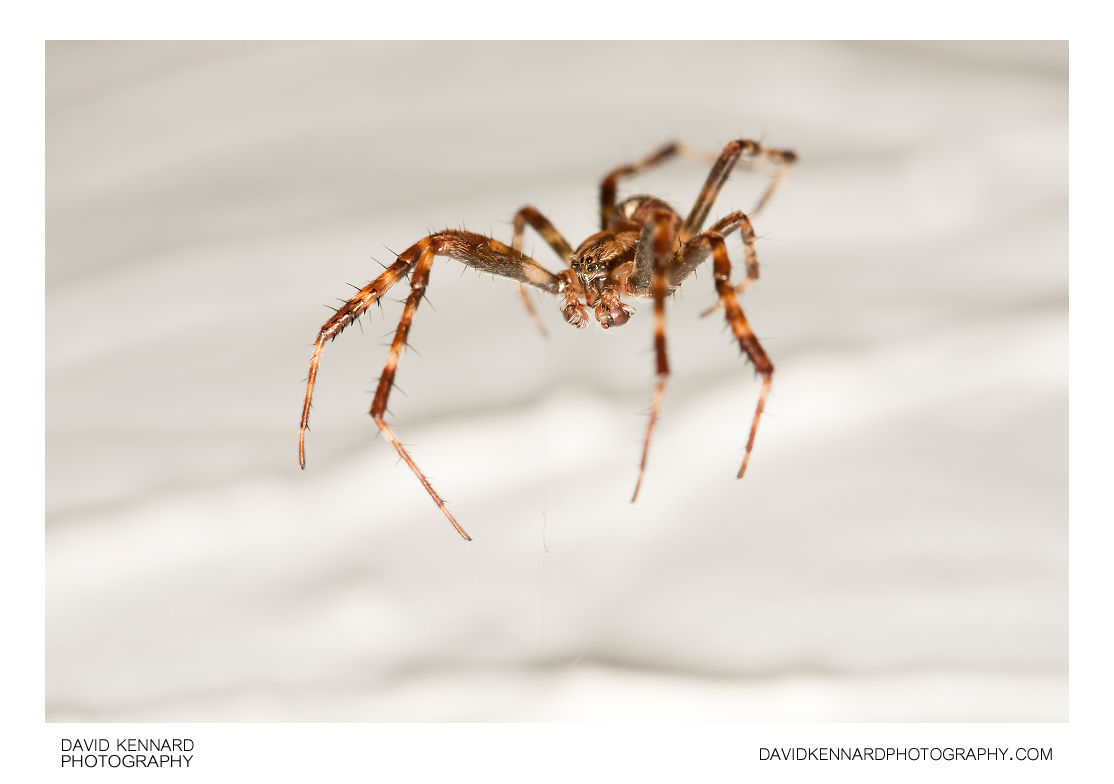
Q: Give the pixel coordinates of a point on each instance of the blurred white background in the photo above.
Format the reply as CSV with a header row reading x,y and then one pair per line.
x,y
896,552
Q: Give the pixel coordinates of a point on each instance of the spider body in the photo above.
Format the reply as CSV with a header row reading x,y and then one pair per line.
x,y
605,264
644,249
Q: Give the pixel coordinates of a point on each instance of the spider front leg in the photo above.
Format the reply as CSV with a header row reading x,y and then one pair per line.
x,y
475,250
733,312
419,279
548,233
347,314
657,238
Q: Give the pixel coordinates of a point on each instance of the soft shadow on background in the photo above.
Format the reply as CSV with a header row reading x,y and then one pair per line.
x,y
897,551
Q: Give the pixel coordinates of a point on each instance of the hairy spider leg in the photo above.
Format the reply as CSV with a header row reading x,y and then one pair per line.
x,y
740,328
740,222
659,233
697,250
719,174
609,187
548,233
345,315
645,210
475,250
419,278
784,159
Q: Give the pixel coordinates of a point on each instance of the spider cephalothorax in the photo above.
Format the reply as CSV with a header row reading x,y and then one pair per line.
x,y
603,251
644,249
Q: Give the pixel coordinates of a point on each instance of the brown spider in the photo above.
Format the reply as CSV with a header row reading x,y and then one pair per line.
x,y
645,249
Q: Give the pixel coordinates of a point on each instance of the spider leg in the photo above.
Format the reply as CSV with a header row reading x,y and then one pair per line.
x,y
475,250
348,313
485,254
560,246
541,225
418,281
749,344
697,250
659,234
531,311
722,169
609,187
641,276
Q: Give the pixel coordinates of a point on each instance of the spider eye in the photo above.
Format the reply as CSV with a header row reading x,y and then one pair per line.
x,y
590,264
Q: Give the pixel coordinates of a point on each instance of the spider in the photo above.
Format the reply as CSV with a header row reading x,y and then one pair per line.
x,y
644,249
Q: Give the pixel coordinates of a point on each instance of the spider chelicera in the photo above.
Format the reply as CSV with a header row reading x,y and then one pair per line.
x,y
645,249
